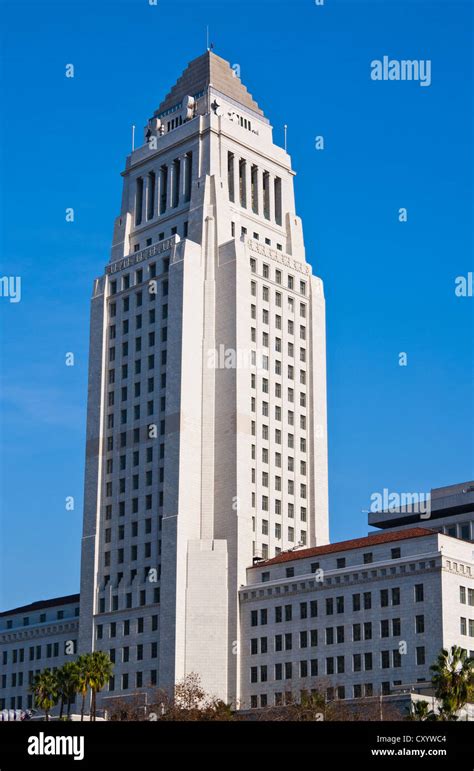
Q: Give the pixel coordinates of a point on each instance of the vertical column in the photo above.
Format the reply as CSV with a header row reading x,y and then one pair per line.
x,y
248,186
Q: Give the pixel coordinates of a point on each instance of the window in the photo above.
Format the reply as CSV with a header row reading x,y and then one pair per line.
x,y
419,624
419,594
420,655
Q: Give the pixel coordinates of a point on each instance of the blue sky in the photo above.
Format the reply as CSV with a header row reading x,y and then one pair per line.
x,y
389,285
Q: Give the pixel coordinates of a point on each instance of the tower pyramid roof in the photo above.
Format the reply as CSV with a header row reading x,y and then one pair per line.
x,y
209,70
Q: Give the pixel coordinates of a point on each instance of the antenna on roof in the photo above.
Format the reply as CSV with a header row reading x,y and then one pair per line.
x,y
285,128
209,45
133,137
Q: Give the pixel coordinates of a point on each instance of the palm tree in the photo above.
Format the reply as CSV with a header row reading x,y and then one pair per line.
x,y
84,666
45,690
419,710
101,672
453,679
68,685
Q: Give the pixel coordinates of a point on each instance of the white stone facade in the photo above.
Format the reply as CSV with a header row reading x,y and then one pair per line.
x,y
355,619
39,636
208,325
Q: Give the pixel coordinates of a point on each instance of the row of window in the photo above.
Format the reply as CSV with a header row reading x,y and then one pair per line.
x,y
467,626
358,600
278,278
466,596
36,652
133,574
388,597
174,186
136,459
42,618
125,627
138,298
140,680
333,635
277,392
333,665
278,318
139,650
359,690
139,321
254,189
277,342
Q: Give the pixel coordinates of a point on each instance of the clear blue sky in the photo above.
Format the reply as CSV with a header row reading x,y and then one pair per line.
x,y
389,285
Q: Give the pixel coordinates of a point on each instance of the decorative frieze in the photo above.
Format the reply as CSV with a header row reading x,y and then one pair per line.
x,y
142,255
273,254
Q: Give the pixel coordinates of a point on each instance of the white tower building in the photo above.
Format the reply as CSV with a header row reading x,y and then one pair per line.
x,y
206,430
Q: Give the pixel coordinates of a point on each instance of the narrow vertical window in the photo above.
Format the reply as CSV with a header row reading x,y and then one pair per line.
x,y
266,195
230,176
189,176
151,196
176,181
278,200
254,188
242,181
139,201
163,188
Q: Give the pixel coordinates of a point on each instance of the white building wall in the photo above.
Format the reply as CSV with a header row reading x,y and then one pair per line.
x,y
425,609
195,494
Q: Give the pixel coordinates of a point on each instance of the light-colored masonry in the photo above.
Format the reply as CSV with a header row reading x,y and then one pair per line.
x,y
192,469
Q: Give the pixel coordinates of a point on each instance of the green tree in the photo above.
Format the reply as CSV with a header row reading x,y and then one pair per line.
x,y
84,666
453,680
419,711
45,690
101,669
68,677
